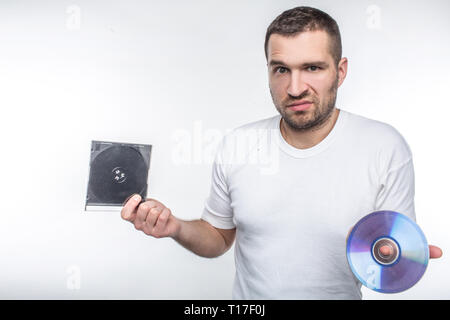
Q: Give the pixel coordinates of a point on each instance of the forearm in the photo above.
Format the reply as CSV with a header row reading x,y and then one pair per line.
x,y
201,238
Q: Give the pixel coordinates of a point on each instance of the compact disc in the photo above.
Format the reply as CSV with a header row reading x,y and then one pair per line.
x,y
393,270
117,172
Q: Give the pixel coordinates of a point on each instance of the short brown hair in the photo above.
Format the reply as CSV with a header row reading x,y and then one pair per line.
x,y
300,19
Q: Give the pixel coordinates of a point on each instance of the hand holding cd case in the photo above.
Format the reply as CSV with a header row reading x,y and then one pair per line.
x,y
117,170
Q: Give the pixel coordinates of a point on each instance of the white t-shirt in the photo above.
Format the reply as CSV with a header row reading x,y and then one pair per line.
x,y
293,208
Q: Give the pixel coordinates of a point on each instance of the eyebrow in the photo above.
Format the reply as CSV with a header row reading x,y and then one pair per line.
x,y
322,64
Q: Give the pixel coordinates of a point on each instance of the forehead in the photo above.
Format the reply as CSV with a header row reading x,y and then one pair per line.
x,y
305,46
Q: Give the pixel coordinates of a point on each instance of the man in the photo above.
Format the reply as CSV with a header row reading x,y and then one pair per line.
x,y
330,168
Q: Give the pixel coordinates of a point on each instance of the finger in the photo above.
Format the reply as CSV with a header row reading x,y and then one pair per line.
x,y
151,218
162,221
386,250
152,203
128,210
349,231
435,252
141,215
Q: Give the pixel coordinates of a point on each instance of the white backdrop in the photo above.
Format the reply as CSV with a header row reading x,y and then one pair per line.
x,y
152,72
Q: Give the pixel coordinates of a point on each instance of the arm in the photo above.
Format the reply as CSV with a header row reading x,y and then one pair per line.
x,y
155,219
397,193
203,239
209,237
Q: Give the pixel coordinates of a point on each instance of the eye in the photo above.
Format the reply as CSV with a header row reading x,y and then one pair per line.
x,y
313,68
281,69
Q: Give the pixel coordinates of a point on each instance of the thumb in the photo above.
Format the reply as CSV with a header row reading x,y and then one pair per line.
x,y
435,252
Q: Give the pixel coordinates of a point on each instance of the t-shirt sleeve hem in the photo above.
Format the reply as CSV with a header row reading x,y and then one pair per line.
x,y
218,221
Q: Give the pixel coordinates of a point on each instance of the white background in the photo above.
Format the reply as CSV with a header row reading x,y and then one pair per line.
x,y
144,72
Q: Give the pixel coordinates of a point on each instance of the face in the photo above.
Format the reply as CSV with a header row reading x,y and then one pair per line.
x,y
301,68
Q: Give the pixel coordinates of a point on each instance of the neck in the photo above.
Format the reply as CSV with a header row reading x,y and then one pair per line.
x,y
309,138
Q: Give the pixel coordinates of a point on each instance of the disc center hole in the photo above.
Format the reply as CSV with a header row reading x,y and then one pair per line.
x,y
385,251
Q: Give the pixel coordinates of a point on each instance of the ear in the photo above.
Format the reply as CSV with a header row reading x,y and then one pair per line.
x,y
342,70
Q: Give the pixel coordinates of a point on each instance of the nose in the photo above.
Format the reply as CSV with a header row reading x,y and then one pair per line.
x,y
297,85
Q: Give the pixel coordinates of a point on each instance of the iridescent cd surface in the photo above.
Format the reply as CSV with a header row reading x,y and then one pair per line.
x,y
406,261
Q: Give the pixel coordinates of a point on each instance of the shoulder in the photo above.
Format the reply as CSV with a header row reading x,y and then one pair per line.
x,y
389,144
371,128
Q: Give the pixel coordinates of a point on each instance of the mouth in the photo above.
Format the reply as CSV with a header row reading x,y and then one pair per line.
x,y
300,105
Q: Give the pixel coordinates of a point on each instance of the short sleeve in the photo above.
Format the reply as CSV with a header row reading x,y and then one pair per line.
x,y
218,211
397,190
